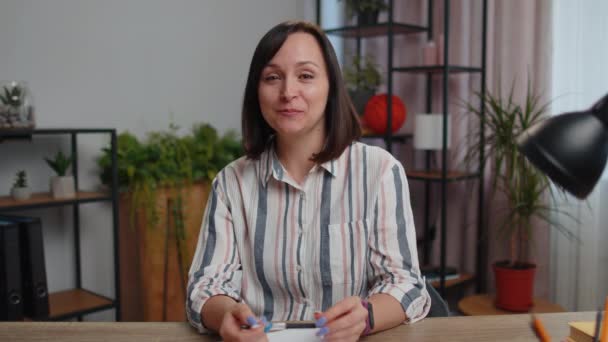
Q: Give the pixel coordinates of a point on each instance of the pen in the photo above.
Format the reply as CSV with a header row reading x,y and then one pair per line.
x,y
605,322
278,326
598,321
539,329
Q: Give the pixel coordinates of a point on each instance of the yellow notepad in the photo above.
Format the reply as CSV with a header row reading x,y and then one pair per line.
x,y
582,331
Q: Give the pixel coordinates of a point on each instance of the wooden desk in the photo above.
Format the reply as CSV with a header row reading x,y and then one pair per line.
x,y
483,304
466,329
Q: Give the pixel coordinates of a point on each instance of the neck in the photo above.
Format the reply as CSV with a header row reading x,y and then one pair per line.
x,y
295,154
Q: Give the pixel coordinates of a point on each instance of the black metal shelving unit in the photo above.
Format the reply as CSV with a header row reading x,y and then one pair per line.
x,y
74,303
443,176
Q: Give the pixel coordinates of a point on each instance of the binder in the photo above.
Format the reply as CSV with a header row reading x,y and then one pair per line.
x,y
33,269
11,300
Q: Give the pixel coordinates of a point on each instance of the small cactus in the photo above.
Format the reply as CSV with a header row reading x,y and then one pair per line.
x,y
20,180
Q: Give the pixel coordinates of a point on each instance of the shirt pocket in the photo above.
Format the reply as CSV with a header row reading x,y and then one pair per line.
x,y
348,251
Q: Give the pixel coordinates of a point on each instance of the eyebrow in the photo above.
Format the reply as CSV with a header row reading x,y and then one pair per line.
x,y
272,65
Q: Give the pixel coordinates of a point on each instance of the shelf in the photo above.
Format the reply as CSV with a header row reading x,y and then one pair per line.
x,y
376,30
395,137
437,69
435,175
26,134
462,280
45,199
76,302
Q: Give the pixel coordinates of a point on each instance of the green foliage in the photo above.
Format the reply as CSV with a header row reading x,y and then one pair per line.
x,y
354,7
526,189
60,163
166,159
20,180
362,74
12,96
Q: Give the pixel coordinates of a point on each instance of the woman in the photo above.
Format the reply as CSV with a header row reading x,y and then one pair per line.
x,y
310,224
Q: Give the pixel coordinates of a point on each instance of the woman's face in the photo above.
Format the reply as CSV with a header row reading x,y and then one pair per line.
x,y
294,87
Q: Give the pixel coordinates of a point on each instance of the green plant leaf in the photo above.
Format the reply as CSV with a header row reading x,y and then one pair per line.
x,y
526,190
166,159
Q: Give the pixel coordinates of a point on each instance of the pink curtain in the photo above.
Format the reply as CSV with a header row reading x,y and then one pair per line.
x,y
518,48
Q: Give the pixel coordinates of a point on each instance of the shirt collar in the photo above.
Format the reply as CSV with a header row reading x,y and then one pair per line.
x,y
269,165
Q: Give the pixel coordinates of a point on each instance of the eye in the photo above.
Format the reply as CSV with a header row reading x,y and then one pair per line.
x,y
271,77
307,76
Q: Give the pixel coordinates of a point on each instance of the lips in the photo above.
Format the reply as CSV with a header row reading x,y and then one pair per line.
x,y
290,111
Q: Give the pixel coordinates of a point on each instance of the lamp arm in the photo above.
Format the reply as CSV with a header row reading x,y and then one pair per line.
x,y
600,109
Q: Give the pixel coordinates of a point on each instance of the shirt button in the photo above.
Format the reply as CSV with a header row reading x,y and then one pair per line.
x,y
300,231
298,268
302,195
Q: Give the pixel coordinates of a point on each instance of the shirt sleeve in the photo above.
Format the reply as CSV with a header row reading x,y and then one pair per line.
x,y
216,267
394,258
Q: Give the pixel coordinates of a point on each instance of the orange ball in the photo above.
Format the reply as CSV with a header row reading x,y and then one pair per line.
x,y
375,114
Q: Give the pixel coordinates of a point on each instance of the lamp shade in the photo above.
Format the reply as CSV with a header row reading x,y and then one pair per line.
x,y
571,149
429,131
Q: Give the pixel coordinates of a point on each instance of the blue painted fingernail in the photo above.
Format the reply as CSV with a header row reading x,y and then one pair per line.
x,y
267,324
323,331
252,322
320,322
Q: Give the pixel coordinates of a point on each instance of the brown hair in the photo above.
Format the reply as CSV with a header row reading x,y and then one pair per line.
x,y
341,122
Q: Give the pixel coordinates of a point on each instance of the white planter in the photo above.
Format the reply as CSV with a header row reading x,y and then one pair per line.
x,y
63,187
21,194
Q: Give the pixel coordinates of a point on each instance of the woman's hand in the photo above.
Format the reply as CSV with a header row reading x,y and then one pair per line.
x,y
345,321
241,315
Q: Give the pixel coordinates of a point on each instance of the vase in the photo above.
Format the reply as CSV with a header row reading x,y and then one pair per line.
x,y
367,18
16,106
514,287
63,187
151,283
20,194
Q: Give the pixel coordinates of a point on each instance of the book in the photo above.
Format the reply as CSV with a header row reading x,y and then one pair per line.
x,y
11,298
33,269
433,273
581,331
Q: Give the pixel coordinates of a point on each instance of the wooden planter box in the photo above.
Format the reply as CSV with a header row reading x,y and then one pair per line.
x,y
150,284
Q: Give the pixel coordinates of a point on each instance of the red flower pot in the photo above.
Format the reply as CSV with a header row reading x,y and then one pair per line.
x,y
514,286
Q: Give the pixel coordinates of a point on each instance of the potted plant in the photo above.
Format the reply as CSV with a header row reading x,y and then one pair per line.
x,y
62,185
362,79
526,192
16,109
164,182
366,10
20,191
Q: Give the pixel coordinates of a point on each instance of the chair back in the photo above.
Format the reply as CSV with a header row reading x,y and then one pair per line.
x,y
438,306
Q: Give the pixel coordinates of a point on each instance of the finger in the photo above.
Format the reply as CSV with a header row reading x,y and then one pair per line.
x,y
246,335
230,327
244,316
341,308
351,333
354,319
231,331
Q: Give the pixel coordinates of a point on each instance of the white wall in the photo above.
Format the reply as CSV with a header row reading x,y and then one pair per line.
x,y
132,65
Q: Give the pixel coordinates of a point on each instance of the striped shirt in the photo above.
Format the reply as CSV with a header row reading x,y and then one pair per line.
x,y
288,250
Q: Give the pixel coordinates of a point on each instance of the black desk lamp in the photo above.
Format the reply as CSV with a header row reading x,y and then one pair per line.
x,y
570,148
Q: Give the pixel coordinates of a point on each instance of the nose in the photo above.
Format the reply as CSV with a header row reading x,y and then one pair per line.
x,y
289,89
